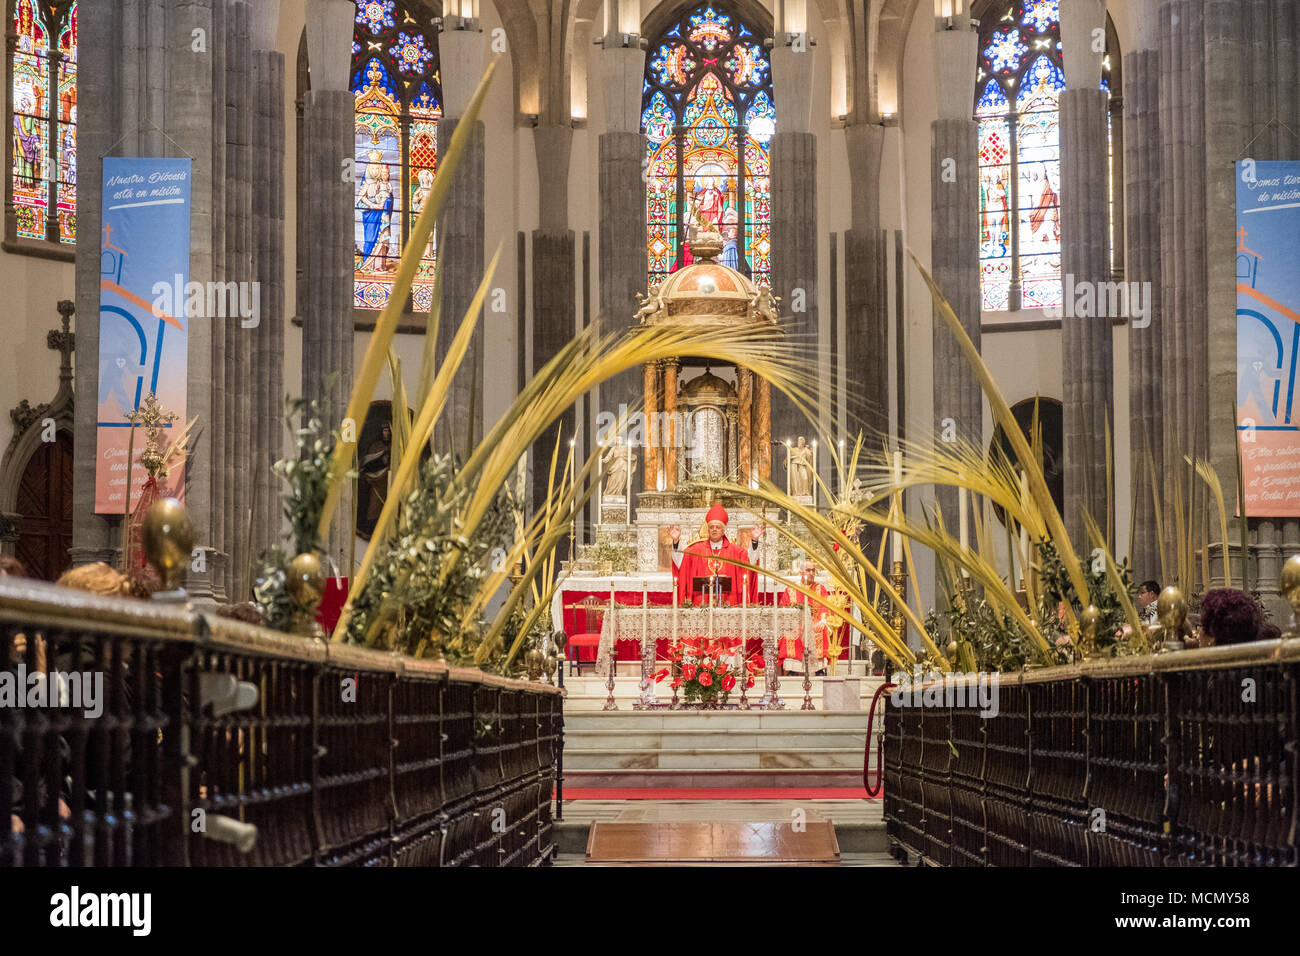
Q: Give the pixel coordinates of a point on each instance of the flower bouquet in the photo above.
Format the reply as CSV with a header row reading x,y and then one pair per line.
x,y
703,669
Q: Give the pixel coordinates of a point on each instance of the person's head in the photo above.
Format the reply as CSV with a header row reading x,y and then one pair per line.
x,y
386,434
1148,591
99,578
12,567
1229,616
809,573
717,522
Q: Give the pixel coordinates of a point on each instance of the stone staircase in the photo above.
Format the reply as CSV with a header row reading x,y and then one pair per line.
x,y
789,748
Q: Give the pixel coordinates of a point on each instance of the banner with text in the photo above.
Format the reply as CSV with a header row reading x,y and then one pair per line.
x,y
1268,335
142,345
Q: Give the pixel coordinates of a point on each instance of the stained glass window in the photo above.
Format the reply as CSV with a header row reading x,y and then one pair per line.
x,y
708,117
398,90
1018,87
43,81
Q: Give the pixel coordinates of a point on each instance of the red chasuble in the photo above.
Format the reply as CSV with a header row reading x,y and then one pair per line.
x,y
700,560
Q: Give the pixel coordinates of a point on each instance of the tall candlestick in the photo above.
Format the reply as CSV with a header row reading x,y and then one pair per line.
x,y
627,494
814,472
787,466
674,617
1024,532
897,551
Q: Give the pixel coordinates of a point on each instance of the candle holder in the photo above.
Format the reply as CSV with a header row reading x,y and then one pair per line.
x,y
896,620
613,663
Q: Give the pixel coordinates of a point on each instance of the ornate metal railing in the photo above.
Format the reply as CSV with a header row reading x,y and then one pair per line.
x,y
220,744
1183,759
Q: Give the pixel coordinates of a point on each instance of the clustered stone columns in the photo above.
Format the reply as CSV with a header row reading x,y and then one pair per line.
x,y
1142,193
745,408
554,285
794,221
866,316
762,427
196,99
325,287
1086,341
460,233
621,154
1244,66
954,245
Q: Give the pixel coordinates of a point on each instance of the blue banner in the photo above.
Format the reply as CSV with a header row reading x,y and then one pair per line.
x,y
143,336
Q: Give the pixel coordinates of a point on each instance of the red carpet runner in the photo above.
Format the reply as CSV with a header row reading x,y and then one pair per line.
x,y
715,793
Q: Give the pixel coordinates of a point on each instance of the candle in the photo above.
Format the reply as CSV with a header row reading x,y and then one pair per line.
x,y
787,466
627,493
1024,532
674,616
898,505
814,471
963,530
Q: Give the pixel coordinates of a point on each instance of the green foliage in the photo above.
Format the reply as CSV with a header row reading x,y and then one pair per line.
x,y
1057,588
307,474
270,592
607,551
431,620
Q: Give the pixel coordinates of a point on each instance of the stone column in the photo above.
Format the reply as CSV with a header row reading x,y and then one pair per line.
x,y
554,283
1086,341
745,405
1142,196
866,316
672,434
954,243
460,233
794,220
621,153
325,288
151,102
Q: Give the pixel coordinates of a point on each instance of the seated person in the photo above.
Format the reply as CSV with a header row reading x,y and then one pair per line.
x,y
791,647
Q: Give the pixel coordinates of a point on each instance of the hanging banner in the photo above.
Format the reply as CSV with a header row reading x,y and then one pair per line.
x,y
1268,336
144,256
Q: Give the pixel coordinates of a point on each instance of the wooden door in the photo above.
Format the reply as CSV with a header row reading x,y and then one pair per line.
x,y
45,503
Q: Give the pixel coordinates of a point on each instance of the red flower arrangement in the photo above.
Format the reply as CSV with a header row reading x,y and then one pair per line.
x,y
705,672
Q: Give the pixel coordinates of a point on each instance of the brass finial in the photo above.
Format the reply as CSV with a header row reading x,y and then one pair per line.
x,y
534,661
1290,583
1171,609
168,544
1089,624
305,581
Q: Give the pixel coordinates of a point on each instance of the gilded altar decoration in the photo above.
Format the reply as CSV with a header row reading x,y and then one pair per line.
x,y
157,457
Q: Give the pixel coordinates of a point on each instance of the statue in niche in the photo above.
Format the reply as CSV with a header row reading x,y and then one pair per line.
x,y
615,467
799,463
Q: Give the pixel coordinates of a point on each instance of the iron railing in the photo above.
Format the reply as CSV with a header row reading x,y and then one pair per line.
x,y
1183,759
336,755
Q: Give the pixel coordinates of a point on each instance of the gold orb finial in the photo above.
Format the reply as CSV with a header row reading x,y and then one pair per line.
x,y
168,540
560,640
1171,609
1089,624
305,579
1290,583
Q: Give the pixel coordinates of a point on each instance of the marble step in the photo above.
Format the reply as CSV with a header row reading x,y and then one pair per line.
x,y
718,721
577,739
715,758
782,777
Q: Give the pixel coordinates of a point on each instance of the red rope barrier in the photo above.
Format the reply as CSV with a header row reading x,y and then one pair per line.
x,y
880,748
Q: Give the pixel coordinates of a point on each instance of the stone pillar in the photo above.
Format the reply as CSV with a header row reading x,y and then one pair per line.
x,y
866,316
1142,194
621,153
672,434
745,406
764,427
954,244
166,109
325,288
1086,341
794,222
554,284
460,234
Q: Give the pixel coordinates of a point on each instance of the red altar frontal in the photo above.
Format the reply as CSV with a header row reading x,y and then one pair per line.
x,y
585,612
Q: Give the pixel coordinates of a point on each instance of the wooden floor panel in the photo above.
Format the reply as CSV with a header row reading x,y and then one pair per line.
x,y
687,844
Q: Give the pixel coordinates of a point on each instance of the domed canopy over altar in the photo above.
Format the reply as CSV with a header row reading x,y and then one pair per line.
x,y
705,422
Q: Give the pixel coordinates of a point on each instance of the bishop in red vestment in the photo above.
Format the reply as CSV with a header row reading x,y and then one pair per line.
x,y
703,559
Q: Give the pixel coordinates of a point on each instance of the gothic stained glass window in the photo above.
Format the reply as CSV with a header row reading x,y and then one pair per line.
x,y
398,90
1018,87
708,117
43,82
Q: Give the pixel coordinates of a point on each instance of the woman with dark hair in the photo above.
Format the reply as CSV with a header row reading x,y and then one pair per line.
x,y
1229,616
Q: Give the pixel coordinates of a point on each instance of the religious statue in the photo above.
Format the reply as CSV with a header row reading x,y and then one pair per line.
x,y
762,305
373,469
615,466
799,463
651,304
